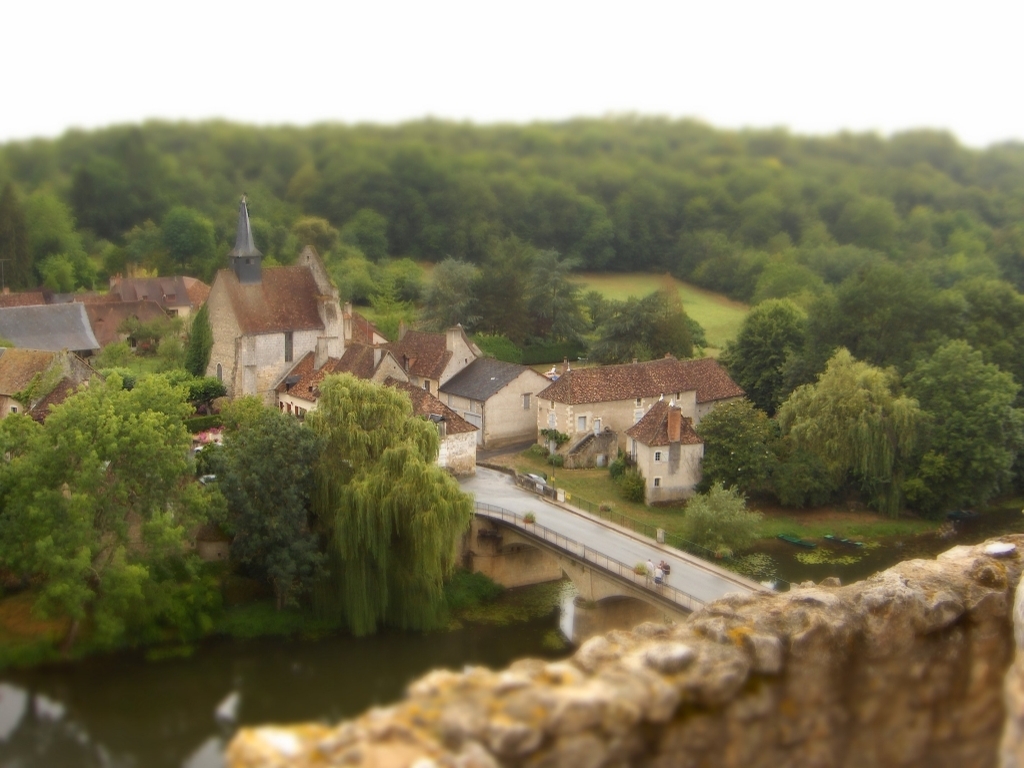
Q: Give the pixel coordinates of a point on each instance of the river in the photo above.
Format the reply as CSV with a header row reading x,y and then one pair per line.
x,y
122,711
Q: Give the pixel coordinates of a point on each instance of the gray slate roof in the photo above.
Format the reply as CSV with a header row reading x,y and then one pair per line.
x,y
51,327
244,245
484,377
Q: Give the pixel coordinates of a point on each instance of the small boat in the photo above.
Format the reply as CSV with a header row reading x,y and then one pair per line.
x,y
788,537
844,542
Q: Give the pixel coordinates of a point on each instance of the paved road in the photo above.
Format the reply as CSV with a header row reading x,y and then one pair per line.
x,y
703,581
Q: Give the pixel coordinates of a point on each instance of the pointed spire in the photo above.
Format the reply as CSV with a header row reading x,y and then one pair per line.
x,y
244,246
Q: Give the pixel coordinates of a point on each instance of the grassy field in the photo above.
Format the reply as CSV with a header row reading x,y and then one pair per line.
x,y
721,317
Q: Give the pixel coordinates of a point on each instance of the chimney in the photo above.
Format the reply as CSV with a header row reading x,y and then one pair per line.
x,y
451,337
402,328
675,423
320,355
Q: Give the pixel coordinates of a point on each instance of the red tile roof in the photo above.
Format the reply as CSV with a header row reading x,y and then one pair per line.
x,y
24,299
198,291
652,429
357,360
106,317
425,404
285,299
658,377
422,354
362,329
19,366
64,389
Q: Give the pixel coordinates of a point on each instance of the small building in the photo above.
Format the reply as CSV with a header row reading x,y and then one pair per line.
x,y
457,444
31,380
107,318
587,401
431,359
50,327
499,398
177,296
265,320
667,451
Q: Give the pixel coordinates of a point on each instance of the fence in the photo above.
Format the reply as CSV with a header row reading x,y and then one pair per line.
x,y
592,556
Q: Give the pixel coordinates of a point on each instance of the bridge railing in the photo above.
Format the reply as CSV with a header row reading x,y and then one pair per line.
x,y
591,555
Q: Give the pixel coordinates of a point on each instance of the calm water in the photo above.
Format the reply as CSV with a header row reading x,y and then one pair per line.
x,y
123,711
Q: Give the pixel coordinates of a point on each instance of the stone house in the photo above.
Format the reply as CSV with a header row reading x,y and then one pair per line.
x,y
108,317
31,380
51,327
264,320
667,450
458,440
431,359
586,401
498,398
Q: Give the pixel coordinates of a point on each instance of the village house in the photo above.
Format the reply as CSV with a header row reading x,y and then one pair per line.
x,y
108,318
31,380
498,398
667,451
177,296
431,359
359,330
457,449
51,327
589,401
264,320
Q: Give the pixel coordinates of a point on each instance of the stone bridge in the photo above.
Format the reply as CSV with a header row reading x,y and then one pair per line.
x,y
513,552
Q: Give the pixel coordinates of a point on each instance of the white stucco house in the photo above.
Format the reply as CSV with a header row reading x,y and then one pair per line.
x,y
667,451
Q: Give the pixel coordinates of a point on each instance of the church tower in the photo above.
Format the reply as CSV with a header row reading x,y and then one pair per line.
x,y
246,261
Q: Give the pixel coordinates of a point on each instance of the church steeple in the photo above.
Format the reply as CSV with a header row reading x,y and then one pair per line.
x,y
245,259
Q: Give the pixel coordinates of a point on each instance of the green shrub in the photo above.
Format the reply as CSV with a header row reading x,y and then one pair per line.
x,y
529,518
498,347
618,467
556,460
199,424
537,452
468,590
632,486
719,520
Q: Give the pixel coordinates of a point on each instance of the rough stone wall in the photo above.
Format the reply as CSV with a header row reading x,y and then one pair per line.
x,y
593,450
458,453
903,669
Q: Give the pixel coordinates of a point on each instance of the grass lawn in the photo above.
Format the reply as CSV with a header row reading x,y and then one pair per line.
x,y
596,485
721,317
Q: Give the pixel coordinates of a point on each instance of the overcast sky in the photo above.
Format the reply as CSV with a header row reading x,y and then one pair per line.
x,y
815,67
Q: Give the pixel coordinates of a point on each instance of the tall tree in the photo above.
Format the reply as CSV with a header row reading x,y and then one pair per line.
x,y
200,343
390,515
501,289
554,299
449,298
856,420
771,333
739,447
14,246
97,503
644,329
265,472
190,241
972,433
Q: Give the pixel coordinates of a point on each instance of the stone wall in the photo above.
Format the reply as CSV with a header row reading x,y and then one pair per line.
x,y
903,669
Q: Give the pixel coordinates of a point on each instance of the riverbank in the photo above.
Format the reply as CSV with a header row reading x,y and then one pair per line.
x,y
27,640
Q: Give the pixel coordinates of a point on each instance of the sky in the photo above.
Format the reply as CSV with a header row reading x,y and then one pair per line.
x,y
812,67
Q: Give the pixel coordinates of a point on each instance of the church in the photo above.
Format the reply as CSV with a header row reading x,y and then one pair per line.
x,y
265,319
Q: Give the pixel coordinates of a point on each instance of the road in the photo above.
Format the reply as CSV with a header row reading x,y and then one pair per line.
x,y
704,581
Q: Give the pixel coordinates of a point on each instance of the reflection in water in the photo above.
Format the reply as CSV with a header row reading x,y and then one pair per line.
x,y
123,712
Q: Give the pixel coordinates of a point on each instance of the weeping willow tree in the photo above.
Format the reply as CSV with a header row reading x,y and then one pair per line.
x,y
390,515
856,421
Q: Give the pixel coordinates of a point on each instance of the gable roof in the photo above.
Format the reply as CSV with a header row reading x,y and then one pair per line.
x,y
651,379
484,377
106,317
305,379
425,404
51,327
363,330
168,292
64,389
652,429
285,299
427,353
19,366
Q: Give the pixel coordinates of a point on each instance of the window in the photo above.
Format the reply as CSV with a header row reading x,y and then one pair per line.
x,y
657,482
581,423
14,409
426,385
597,426
639,402
552,420
657,455
287,346
220,372
172,312
526,401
